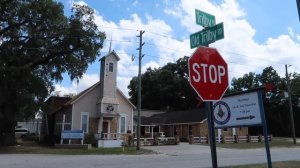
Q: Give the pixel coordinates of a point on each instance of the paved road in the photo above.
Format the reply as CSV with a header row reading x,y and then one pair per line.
x,y
180,156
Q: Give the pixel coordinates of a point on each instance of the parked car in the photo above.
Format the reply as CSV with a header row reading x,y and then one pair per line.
x,y
21,132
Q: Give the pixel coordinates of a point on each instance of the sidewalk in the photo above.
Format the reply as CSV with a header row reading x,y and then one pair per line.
x,y
183,148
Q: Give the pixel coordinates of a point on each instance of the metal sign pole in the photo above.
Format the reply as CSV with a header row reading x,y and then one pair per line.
x,y
265,129
211,132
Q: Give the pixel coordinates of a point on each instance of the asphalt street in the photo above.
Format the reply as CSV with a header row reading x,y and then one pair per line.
x,y
179,156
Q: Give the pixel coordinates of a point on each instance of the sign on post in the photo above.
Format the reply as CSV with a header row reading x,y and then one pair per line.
x,y
72,134
208,73
204,19
207,36
237,110
242,109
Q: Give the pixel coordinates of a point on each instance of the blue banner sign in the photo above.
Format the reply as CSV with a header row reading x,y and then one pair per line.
x,y
72,134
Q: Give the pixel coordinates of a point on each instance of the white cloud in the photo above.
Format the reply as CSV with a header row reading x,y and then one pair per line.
x,y
125,42
61,90
173,12
151,64
86,81
71,2
123,82
238,48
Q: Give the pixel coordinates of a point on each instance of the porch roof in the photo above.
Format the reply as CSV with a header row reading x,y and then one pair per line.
x,y
175,117
111,115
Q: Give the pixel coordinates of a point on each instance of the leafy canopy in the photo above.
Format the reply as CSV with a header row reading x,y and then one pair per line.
x,y
38,43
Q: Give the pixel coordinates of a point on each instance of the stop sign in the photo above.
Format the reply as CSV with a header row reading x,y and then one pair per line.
x,y
208,73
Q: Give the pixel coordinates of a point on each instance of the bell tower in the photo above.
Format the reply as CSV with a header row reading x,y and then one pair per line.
x,y
108,80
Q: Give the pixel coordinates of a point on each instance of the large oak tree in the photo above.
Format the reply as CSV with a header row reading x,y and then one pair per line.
x,y
38,43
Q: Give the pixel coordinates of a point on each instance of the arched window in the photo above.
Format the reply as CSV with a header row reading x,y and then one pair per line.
x,y
111,67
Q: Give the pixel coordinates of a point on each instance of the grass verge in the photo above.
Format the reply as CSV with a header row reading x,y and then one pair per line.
x,y
286,164
38,149
276,142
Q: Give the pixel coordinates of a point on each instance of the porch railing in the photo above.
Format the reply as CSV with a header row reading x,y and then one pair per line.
x,y
108,136
233,139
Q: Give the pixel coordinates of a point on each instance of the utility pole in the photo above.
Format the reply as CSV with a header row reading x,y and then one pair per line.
x,y
290,103
139,90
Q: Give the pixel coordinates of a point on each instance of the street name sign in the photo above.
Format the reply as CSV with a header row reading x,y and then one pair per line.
x,y
238,110
208,73
207,36
204,19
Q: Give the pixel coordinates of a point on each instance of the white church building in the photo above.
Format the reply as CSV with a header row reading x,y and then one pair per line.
x,y
101,111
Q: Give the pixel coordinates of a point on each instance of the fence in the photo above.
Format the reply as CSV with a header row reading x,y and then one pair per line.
x,y
231,139
108,136
157,141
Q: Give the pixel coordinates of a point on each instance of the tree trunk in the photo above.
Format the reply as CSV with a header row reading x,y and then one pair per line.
x,y
7,125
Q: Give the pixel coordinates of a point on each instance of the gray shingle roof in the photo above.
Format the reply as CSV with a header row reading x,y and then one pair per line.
x,y
175,117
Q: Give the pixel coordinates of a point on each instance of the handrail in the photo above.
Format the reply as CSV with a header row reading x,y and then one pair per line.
x,y
108,136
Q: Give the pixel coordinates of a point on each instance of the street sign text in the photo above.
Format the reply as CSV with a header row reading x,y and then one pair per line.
x,y
204,19
213,73
237,110
208,73
207,36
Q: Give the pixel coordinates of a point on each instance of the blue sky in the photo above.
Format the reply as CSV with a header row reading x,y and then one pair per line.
x,y
258,34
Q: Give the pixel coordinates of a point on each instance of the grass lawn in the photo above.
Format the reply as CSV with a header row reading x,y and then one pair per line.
x,y
33,148
287,164
276,142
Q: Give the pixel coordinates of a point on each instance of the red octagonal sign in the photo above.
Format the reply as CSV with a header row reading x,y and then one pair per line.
x,y
208,73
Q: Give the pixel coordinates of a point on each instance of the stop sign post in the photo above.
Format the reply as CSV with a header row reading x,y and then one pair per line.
x,y
208,73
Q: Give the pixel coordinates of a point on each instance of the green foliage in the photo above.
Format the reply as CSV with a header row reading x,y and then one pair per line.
x,y
166,88
90,139
38,44
276,105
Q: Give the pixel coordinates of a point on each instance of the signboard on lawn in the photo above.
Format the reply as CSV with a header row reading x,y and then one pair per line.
x,y
238,110
72,134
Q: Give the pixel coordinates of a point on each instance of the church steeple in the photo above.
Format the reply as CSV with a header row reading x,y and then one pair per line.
x,y
108,78
109,50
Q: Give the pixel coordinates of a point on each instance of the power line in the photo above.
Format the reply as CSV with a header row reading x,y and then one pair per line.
x,y
118,28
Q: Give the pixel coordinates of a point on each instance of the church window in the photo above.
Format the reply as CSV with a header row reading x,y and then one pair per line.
x,y
111,67
84,122
122,124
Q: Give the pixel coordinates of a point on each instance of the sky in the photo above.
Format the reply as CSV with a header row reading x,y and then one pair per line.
x,y
258,34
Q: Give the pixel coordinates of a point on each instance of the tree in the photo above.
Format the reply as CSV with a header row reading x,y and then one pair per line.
x,y
248,81
275,104
38,43
165,88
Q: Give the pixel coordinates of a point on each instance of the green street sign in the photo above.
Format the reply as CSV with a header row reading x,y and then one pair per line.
x,y
204,19
207,36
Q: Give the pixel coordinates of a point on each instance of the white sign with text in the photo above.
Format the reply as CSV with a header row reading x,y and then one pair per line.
x,y
237,110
